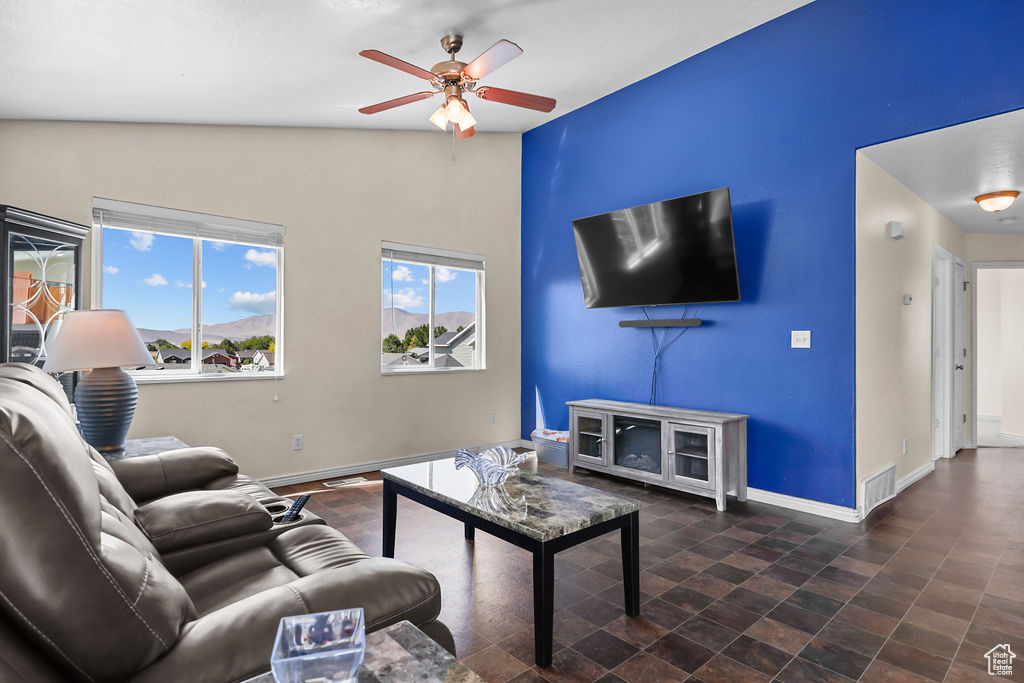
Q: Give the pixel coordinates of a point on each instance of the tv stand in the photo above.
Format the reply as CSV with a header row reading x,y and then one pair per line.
x,y
696,451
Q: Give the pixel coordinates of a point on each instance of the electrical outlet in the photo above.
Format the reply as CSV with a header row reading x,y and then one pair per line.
x,y
494,418
297,442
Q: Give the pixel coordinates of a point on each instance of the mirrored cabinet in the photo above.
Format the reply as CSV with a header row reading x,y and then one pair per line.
x,y
41,274
696,451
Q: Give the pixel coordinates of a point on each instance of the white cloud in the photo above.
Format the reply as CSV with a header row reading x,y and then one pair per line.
x,y
110,270
217,246
401,274
180,284
156,280
404,298
251,302
143,241
444,275
261,258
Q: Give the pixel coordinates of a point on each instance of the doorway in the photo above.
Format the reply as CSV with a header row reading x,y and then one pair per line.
x,y
949,354
998,305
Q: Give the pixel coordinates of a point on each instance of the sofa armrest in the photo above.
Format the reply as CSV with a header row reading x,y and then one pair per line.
x,y
234,642
191,518
151,476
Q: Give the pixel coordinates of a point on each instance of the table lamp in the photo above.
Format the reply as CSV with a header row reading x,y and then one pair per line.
x,y
103,342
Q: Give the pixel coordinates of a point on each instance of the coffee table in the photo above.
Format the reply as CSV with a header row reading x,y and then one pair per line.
x,y
536,512
399,653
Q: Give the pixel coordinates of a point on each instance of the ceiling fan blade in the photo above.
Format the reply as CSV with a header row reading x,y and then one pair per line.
x,y
464,134
397,102
515,98
499,54
395,62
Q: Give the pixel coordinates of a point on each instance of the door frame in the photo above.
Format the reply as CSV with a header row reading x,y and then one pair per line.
x,y
973,303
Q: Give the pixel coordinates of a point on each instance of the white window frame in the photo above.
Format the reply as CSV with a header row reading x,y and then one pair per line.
x,y
119,215
431,258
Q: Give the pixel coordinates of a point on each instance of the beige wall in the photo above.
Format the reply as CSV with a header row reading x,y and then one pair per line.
x,y
1012,352
339,193
988,286
894,340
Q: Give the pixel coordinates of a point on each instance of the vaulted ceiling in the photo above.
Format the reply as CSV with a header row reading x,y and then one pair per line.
x,y
296,63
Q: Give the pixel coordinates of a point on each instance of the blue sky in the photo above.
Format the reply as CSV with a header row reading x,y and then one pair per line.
x,y
455,289
150,277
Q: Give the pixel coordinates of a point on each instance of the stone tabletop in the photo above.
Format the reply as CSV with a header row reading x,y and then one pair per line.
x,y
535,505
149,446
401,652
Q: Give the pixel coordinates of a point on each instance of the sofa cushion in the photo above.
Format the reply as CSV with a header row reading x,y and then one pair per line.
x,y
151,476
193,518
65,544
293,554
243,484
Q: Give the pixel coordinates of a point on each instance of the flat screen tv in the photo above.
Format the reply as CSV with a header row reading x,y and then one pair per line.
x,y
678,251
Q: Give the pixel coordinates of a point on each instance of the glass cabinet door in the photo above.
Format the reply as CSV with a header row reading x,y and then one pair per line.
x,y
590,438
42,289
691,451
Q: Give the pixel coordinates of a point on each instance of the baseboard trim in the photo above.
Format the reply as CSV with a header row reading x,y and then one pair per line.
x,y
1011,437
814,507
359,468
916,475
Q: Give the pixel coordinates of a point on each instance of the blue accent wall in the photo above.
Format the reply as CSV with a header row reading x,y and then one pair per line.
x,y
776,114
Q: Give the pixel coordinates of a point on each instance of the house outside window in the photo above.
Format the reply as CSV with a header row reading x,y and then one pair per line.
x,y
432,313
204,291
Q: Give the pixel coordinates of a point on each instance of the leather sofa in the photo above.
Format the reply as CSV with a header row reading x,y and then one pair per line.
x,y
87,593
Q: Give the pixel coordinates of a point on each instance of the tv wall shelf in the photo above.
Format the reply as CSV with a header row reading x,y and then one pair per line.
x,y
695,451
671,322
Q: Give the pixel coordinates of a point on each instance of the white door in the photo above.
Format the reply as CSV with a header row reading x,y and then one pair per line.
x,y
942,356
959,356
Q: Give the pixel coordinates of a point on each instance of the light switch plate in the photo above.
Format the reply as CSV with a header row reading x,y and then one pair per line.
x,y
800,339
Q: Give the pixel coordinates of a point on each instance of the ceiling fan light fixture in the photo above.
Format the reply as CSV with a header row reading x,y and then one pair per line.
x,y
456,109
996,201
440,118
467,121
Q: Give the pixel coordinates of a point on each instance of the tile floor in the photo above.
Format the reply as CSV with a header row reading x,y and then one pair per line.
x,y
919,591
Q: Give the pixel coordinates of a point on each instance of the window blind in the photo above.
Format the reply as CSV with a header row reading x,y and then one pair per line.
x,y
110,213
430,256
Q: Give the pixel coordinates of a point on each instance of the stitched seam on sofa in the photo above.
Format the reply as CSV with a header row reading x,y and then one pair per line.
x,y
145,579
410,608
90,551
302,600
43,636
206,523
163,475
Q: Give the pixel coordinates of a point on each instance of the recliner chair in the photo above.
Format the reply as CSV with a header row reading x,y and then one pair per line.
x,y
85,593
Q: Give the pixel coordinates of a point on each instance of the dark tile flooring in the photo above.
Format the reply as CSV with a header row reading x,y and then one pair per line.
x,y
919,591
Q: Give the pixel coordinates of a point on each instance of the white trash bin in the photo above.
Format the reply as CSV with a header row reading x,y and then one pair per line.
x,y
552,446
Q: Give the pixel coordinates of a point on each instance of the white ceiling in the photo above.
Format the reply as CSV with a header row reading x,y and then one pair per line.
x,y
947,168
295,62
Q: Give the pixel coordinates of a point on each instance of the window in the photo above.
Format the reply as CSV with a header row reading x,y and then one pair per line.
x,y
431,310
203,291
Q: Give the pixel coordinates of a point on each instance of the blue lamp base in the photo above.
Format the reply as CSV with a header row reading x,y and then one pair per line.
x,y
106,400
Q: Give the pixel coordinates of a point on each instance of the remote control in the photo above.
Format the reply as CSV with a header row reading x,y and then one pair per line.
x,y
295,509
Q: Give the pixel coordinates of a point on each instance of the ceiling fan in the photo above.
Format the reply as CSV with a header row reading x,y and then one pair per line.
x,y
454,79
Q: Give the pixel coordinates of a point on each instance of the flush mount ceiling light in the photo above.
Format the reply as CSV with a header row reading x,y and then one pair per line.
x,y
996,201
455,79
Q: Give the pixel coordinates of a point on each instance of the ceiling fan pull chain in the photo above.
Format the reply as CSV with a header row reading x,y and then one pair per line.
x,y
453,143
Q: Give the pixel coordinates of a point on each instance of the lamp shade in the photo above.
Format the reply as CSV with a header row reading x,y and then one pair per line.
x,y
96,339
